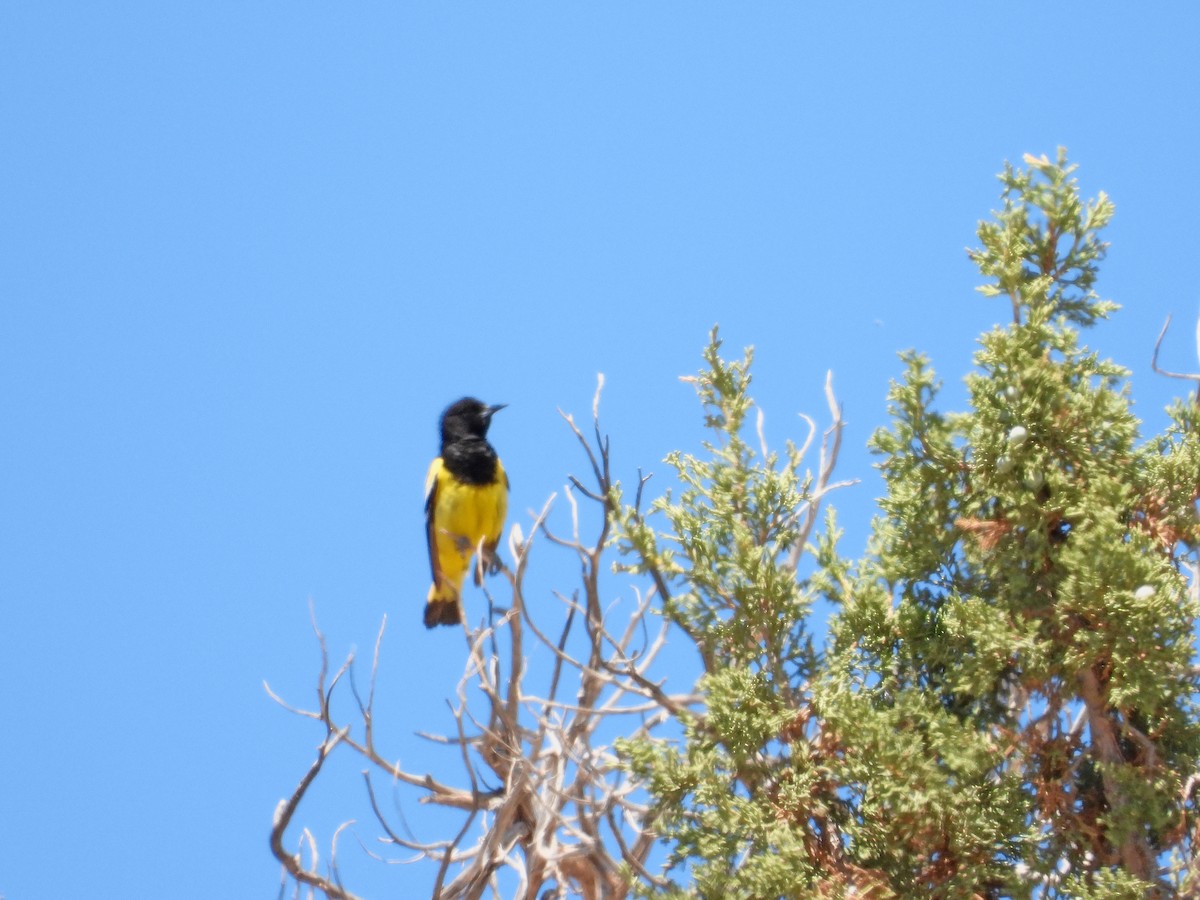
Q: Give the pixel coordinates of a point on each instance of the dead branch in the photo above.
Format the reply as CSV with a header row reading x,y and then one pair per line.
x,y
283,817
1183,375
545,800
831,446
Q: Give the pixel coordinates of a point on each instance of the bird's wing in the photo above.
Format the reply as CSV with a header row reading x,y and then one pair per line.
x,y
431,489
501,505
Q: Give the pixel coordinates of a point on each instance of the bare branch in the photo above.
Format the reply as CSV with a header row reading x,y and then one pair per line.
x,y
1185,376
283,817
831,445
559,813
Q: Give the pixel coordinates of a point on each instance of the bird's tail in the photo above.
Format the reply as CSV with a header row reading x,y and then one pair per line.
x,y
441,608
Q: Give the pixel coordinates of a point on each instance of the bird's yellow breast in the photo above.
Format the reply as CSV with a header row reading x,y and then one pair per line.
x,y
472,512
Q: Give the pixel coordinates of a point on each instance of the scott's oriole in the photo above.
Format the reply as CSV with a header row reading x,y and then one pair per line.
x,y
466,499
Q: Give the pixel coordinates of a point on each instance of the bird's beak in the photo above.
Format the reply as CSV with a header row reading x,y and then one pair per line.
x,y
492,410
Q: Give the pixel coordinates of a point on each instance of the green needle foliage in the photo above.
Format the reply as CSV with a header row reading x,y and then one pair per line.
x,y
1005,703
727,571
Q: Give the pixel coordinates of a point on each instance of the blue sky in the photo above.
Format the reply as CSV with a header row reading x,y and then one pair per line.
x,y
248,252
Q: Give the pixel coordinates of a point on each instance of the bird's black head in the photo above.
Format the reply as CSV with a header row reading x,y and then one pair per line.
x,y
467,418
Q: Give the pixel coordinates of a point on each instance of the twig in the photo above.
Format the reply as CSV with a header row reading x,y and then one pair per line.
x,y
1185,376
283,817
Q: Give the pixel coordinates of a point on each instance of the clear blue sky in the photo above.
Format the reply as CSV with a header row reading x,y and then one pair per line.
x,y
249,251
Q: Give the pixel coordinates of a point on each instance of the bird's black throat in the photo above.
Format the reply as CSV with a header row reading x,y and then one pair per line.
x,y
470,460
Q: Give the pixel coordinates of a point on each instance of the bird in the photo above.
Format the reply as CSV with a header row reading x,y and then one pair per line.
x,y
466,500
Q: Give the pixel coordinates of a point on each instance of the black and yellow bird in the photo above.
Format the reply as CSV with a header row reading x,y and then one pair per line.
x,y
466,499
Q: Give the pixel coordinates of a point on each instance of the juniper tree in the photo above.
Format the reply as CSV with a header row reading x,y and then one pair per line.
x,y
1006,702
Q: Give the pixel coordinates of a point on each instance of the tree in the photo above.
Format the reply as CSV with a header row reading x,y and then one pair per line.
x,y
1004,703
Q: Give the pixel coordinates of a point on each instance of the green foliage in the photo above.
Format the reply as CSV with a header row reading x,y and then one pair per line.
x,y
1006,704
1044,246
725,562
726,567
